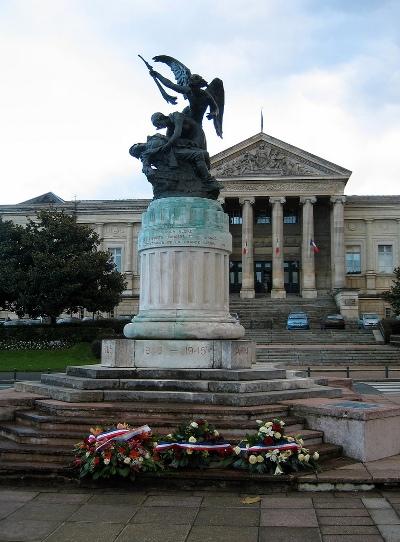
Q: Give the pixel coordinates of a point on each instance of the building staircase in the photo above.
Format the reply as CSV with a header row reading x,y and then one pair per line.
x,y
350,355
312,336
264,312
265,321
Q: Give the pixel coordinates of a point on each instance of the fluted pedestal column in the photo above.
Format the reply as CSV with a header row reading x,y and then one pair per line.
x,y
247,290
184,247
278,282
308,289
337,242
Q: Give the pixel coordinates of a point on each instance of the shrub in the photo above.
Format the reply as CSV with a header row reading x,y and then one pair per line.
x,y
69,333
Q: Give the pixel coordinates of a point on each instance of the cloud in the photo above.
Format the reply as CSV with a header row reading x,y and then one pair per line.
x,y
77,97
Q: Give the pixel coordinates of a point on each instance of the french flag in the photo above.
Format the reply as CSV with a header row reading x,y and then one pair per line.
x,y
314,246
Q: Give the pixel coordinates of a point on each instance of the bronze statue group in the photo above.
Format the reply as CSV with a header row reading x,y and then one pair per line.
x,y
177,163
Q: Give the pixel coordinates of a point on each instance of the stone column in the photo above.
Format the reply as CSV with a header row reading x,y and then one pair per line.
x,y
247,290
308,289
100,233
278,283
370,267
398,242
337,242
128,263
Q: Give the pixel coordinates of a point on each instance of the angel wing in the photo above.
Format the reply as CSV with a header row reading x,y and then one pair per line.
x,y
181,72
216,89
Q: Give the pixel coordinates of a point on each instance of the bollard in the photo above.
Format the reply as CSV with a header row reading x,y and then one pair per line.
x,y
386,372
15,375
348,372
309,372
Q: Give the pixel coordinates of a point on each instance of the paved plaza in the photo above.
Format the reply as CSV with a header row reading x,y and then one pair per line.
x,y
75,515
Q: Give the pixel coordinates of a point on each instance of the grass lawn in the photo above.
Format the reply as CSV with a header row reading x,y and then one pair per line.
x,y
41,360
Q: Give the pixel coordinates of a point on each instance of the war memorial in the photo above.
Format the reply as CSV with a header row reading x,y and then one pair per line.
x,y
184,354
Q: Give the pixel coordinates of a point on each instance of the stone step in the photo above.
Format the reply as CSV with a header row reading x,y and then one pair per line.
x,y
176,385
42,469
28,435
80,425
100,372
40,437
246,399
31,453
150,410
35,472
60,393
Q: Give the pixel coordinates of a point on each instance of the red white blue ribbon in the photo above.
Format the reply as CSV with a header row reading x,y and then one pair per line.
x,y
126,435
280,447
201,447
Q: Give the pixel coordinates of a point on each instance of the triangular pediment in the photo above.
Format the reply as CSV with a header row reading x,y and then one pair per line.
x,y
265,156
49,198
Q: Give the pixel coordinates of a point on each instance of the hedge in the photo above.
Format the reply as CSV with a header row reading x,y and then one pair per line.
x,y
71,333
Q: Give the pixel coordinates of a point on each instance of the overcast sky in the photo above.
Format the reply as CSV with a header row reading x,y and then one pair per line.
x,y
74,95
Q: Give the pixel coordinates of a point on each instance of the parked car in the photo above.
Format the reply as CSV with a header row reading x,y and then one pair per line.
x,y
298,320
333,321
368,320
68,320
16,322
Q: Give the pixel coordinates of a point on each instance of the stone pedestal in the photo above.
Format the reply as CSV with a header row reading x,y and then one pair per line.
x,y
184,246
367,431
347,302
178,354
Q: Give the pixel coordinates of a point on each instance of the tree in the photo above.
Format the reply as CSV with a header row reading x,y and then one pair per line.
x,y
11,254
393,295
58,268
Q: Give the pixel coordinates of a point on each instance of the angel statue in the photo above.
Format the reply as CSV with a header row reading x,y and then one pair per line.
x,y
195,89
177,163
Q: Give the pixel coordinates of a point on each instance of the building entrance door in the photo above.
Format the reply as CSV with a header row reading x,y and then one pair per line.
x,y
263,276
291,276
235,276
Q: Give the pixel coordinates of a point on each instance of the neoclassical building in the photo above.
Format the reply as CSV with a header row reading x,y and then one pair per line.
x,y
294,231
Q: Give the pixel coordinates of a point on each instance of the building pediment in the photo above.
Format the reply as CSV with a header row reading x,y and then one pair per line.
x,y
49,198
263,156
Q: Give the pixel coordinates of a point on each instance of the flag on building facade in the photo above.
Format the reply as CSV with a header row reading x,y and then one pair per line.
x,y
314,246
277,247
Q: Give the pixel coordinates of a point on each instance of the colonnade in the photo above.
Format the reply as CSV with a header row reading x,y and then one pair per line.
x,y
308,284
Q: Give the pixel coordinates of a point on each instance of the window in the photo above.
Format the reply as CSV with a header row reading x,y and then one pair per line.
x,y
116,254
262,217
388,312
290,217
353,260
235,217
385,258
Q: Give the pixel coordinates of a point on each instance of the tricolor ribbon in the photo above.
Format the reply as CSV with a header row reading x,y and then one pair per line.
x,y
126,435
280,447
199,447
